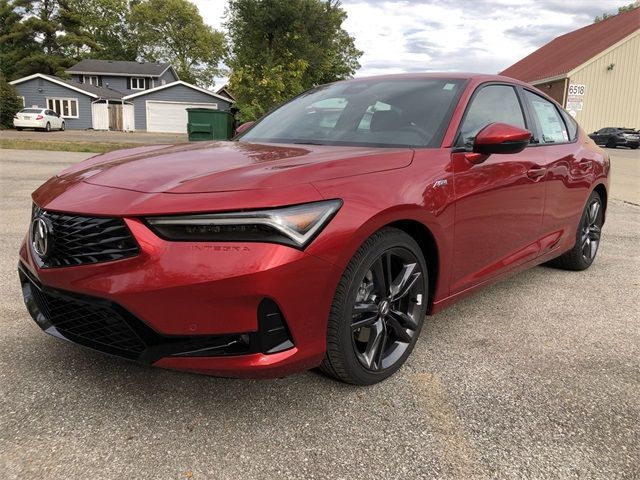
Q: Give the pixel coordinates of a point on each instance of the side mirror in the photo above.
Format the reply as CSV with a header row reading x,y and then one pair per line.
x,y
244,126
501,138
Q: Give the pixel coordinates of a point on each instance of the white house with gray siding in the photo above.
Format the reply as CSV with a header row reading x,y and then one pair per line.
x,y
119,95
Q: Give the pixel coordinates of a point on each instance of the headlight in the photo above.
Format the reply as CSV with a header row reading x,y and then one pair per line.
x,y
296,225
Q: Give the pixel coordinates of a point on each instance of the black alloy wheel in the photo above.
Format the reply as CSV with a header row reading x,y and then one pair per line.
x,y
378,309
591,230
386,312
584,251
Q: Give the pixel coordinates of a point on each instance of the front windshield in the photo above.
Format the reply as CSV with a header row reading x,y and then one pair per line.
x,y
370,112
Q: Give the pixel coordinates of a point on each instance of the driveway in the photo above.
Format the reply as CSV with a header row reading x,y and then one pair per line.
x,y
99,136
536,377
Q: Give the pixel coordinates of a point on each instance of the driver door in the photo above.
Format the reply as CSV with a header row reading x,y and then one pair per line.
x,y
499,203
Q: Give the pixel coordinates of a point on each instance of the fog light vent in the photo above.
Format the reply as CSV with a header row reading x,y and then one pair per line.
x,y
274,334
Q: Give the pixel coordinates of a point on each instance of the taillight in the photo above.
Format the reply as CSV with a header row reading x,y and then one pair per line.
x,y
39,117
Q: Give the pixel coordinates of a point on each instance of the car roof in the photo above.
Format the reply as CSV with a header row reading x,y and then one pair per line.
x,y
477,77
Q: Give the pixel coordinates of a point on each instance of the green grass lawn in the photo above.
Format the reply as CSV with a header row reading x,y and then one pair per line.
x,y
92,147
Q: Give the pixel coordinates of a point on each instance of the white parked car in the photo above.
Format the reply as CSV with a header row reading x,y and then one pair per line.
x,y
38,118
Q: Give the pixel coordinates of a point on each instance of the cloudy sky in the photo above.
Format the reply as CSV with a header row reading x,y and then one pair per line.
x,y
450,35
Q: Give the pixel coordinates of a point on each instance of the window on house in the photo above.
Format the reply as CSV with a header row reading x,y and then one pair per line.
x,y
91,79
65,107
137,83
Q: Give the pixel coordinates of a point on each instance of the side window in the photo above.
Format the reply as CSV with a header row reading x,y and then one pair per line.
x,y
552,128
571,124
491,104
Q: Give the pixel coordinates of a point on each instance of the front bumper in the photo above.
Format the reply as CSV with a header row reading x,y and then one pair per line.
x,y
193,306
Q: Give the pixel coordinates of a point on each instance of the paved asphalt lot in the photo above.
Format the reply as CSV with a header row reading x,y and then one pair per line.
x,y
536,377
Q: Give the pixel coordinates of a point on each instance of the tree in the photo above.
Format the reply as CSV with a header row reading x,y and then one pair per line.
x,y
10,103
15,42
48,36
108,23
173,31
624,8
285,47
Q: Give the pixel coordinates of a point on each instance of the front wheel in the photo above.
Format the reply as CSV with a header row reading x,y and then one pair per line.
x,y
582,255
611,143
48,127
378,309
62,127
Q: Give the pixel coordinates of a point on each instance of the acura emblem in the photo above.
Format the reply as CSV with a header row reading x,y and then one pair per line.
x,y
41,237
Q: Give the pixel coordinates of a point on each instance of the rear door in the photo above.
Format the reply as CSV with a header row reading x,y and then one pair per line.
x,y
53,118
569,170
500,202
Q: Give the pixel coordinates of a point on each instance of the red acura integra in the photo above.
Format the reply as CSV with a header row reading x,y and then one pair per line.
x,y
322,235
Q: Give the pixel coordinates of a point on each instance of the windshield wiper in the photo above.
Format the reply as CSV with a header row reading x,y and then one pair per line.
x,y
308,143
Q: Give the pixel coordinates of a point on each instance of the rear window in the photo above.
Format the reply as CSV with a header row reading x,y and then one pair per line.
x,y
552,127
31,110
572,126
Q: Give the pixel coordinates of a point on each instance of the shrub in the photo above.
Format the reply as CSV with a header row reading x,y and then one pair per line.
x,y
10,102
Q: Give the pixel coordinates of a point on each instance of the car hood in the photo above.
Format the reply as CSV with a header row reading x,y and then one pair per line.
x,y
206,167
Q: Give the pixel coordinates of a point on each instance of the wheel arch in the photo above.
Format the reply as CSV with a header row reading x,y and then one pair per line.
x,y
601,189
429,247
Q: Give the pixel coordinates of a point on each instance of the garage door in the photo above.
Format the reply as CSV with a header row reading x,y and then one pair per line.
x,y
170,117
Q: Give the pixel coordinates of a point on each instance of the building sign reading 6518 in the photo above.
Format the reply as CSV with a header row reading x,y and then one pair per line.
x,y
576,89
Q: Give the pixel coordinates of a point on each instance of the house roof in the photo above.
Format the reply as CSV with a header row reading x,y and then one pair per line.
x,y
566,52
224,91
90,90
119,67
173,84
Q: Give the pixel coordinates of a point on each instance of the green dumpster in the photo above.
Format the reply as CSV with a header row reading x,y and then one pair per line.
x,y
209,124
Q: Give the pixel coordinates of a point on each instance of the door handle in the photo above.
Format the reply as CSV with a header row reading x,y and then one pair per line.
x,y
536,172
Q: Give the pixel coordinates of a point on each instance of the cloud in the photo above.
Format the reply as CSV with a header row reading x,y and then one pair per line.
x,y
484,36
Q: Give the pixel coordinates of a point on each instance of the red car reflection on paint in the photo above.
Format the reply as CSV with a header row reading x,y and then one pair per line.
x,y
322,235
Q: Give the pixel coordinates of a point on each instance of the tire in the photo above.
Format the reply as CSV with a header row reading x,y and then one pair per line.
x,y
48,127
635,147
389,323
19,129
611,143
583,253
63,127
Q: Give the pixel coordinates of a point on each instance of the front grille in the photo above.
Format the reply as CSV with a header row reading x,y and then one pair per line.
x,y
91,324
79,240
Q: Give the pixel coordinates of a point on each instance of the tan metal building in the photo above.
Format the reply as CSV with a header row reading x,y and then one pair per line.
x,y
594,72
